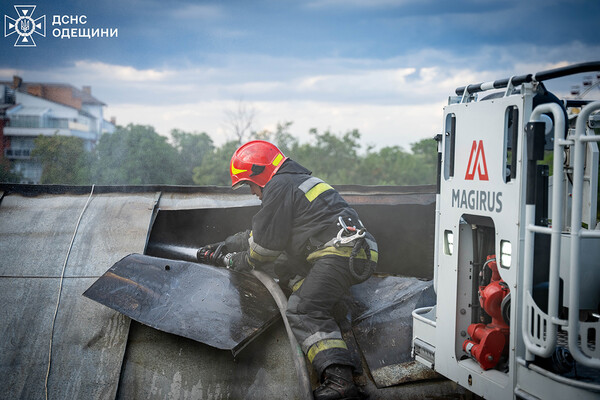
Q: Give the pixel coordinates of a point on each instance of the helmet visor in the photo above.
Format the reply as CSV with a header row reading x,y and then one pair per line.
x,y
239,185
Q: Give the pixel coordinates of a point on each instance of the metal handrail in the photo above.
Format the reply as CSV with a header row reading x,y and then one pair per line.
x,y
580,139
418,314
555,233
578,144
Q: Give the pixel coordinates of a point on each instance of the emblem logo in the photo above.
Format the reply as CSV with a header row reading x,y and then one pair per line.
x,y
25,26
477,164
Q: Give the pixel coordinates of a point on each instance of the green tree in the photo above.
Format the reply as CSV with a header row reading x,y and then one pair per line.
x,y
425,152
336,158
214,169
136,155
393,165
192,148
388,166
6,175
283,138
331,157
64,159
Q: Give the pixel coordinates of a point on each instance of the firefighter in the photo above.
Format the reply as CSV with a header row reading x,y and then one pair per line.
x,y
322,242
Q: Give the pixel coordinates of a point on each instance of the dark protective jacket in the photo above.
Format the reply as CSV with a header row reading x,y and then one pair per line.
x,y
299,218
298,213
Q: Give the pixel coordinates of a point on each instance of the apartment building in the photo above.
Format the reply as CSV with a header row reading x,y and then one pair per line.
x,y
28,110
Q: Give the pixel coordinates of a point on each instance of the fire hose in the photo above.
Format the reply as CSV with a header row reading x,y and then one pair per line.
x,y
218,259
297,354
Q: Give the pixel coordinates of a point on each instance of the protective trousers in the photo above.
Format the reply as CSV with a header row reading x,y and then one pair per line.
x,y
310,312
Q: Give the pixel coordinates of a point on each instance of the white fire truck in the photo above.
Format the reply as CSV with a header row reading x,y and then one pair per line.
x,y
517,247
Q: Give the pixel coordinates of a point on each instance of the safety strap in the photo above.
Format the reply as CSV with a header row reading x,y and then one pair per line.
x,y
369,267
354,244
341,251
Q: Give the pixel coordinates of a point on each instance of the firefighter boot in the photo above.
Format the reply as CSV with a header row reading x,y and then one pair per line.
x,y
337,384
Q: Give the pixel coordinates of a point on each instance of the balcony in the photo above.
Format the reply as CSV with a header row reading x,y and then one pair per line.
x,y
17,154
47,123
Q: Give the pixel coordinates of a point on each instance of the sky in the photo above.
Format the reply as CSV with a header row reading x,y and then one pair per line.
x,y
384,67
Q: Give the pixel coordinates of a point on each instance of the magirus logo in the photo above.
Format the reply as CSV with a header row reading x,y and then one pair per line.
x,y
25,26
477,164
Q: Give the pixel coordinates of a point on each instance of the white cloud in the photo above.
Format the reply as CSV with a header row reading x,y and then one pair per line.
x,y
122,73
394,101
355,84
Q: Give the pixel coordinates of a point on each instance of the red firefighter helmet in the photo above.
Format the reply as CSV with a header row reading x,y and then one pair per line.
x,y
256,161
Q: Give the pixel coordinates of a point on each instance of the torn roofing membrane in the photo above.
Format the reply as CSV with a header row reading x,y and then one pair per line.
x,y
215,306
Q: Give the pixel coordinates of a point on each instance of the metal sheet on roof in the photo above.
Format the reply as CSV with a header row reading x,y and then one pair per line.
x,y
113,226
159,365
216,306
89,340
192,229
36,232
220,199
382,326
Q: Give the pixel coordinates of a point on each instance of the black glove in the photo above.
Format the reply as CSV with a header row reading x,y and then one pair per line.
x,y
238,242
238,261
